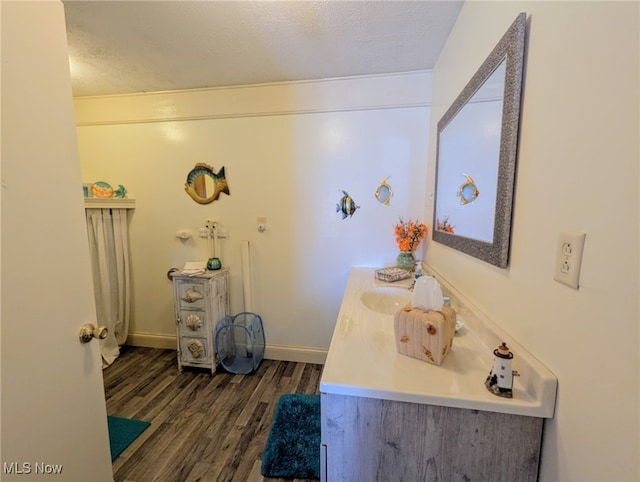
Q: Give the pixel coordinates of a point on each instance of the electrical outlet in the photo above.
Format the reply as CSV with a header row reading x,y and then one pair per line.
x,y
569,259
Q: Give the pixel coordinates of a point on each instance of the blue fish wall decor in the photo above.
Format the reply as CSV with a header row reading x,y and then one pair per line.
x,y
384,193
468,191
346,205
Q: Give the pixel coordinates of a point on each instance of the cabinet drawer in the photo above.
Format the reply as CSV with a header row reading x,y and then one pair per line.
x,y
191,295
195,349
192,322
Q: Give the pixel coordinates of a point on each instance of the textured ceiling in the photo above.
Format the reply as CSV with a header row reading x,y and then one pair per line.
x,y
120,47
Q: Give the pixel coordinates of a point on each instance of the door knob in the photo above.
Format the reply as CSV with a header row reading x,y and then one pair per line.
x,y
88,332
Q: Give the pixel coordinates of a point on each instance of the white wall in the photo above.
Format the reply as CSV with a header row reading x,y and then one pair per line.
x,y
53,403
577,172
288,150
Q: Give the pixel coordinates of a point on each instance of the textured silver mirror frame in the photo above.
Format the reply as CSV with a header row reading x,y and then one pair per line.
x,y
511,48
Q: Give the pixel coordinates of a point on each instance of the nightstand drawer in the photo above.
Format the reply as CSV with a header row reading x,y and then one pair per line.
x,y
194,349
192,322
191,295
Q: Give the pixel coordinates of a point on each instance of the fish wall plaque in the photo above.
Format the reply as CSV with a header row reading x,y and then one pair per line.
x,y
346,206
384,193
101,190
204,185
120,192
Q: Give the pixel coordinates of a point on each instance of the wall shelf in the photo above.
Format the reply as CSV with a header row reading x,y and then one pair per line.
x,y
109,203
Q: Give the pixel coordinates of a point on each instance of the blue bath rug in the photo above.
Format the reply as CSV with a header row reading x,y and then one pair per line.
x,y
293,447
122,432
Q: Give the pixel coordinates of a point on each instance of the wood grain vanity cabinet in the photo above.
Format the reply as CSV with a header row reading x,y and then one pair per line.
x,y
389,417
201,301
382,440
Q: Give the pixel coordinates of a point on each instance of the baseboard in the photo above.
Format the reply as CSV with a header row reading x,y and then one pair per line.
x,y
272,352
295,354
152,341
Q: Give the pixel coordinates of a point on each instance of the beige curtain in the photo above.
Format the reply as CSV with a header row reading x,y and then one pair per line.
x,y
108,234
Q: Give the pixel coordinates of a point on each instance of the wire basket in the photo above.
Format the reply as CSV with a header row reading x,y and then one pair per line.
x,y
240,342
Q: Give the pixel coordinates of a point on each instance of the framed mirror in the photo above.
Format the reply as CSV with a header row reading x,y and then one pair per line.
x,y
476,155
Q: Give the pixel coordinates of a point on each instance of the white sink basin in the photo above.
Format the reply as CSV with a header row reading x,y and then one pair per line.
x,y
385,299
363,361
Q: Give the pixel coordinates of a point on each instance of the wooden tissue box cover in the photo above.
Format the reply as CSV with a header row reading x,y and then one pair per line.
x,y
426,335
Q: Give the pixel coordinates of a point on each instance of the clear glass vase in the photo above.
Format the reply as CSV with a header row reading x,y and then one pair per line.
x,y
406,260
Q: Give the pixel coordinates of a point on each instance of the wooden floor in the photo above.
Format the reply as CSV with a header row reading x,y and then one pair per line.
x,y
203,427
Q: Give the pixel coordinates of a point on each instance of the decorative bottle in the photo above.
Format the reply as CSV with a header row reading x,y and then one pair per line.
x,y
500,379
417,270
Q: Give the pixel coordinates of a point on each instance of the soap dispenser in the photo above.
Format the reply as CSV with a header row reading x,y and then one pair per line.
x,y
417,270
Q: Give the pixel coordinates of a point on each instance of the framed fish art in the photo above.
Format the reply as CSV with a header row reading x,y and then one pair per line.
x,y
204,185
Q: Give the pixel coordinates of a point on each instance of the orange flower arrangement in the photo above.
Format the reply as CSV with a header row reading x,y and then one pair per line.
x,y
409,234
445,226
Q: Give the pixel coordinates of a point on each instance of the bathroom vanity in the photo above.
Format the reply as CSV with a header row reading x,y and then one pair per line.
x,y
201,301
385,416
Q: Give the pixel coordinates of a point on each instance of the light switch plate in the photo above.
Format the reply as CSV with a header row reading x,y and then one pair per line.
x,y
569,259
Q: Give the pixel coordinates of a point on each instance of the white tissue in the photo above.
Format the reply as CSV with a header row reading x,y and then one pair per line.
x,y
427,294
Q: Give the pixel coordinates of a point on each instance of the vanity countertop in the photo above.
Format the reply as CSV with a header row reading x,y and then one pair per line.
x,y
362,360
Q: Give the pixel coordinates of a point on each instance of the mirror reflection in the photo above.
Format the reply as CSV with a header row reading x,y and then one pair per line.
x,y
476,155
202,185
469,151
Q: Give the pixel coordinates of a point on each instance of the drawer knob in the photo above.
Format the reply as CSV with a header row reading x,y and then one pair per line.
x,y
191,295
196,348
194,322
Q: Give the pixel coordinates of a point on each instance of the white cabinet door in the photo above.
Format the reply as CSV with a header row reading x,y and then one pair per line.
x,y
52,399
